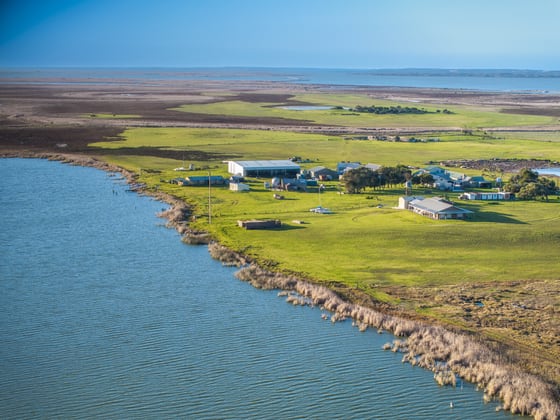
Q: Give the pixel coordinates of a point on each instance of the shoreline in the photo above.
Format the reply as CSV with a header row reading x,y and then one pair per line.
x,y
447,353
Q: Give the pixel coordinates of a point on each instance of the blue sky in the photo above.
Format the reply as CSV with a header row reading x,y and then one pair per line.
x,y
521,34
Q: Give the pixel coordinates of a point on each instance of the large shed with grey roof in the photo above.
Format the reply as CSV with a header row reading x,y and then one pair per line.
x,y
264,168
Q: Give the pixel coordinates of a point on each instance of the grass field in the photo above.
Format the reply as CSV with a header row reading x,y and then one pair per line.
x,y
365,245
325,150
462,116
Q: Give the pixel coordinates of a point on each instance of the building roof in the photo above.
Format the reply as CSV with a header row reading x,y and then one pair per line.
x,y
267,164
317,168
205,178
342,166
372,166
437,205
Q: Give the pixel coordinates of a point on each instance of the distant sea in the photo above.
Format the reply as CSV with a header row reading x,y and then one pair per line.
x,y
501,80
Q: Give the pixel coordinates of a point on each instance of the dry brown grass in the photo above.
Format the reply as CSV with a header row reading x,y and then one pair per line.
x,y
522,316
226,256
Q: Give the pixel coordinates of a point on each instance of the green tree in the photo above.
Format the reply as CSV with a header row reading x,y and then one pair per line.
x,y
356,180
423,179
527,185
546,187
395,175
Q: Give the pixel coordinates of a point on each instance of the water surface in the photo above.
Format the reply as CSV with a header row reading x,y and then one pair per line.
x,y
549,171
533,81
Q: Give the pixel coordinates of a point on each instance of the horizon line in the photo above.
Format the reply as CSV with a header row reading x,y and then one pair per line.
x,y
391,68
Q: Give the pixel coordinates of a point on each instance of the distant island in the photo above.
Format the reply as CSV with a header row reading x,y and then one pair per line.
x,y
465,72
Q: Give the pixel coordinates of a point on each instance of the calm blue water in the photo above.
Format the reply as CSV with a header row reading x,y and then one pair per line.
x,y
549,171
105,313
485,80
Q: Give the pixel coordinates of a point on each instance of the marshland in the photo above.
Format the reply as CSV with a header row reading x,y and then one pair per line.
x,y
474,299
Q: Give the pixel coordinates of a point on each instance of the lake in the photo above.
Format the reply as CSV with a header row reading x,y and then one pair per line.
x,y
549,171
105,313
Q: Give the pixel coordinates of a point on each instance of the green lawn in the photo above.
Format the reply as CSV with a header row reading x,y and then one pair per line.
x,y
365,242
364,245
361,244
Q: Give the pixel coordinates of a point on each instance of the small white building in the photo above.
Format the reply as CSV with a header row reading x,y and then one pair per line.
x,y
238,186
492,196
372,166
403,201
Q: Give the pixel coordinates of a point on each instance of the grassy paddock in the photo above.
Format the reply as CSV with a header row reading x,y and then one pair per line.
x,y
366,246
322,149
462,116
367,243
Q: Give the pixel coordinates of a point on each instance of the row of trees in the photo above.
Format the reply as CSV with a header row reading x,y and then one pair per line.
x,y
374,109
356,180
389,109
528,185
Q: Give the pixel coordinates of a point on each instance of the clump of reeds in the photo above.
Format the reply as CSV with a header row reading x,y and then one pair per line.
x,y
176,215
196,238
226,256
445,377
521,392
264,279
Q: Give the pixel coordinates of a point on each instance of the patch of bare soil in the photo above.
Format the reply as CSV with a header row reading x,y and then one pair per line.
x,y
23,104
547,112
501,165
77,139
70,139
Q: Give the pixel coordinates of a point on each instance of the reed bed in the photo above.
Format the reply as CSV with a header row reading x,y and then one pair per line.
x,y
226,256
448,354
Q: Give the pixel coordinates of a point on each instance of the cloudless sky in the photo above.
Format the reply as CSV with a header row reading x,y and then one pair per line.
x,y
522,34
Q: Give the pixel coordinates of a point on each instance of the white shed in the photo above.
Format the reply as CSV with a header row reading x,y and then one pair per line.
x,y
264,168
238,186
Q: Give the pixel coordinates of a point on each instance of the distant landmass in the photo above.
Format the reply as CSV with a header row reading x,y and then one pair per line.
x,y
464,72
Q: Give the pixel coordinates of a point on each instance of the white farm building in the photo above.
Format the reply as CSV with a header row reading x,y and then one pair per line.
x,y
263,168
